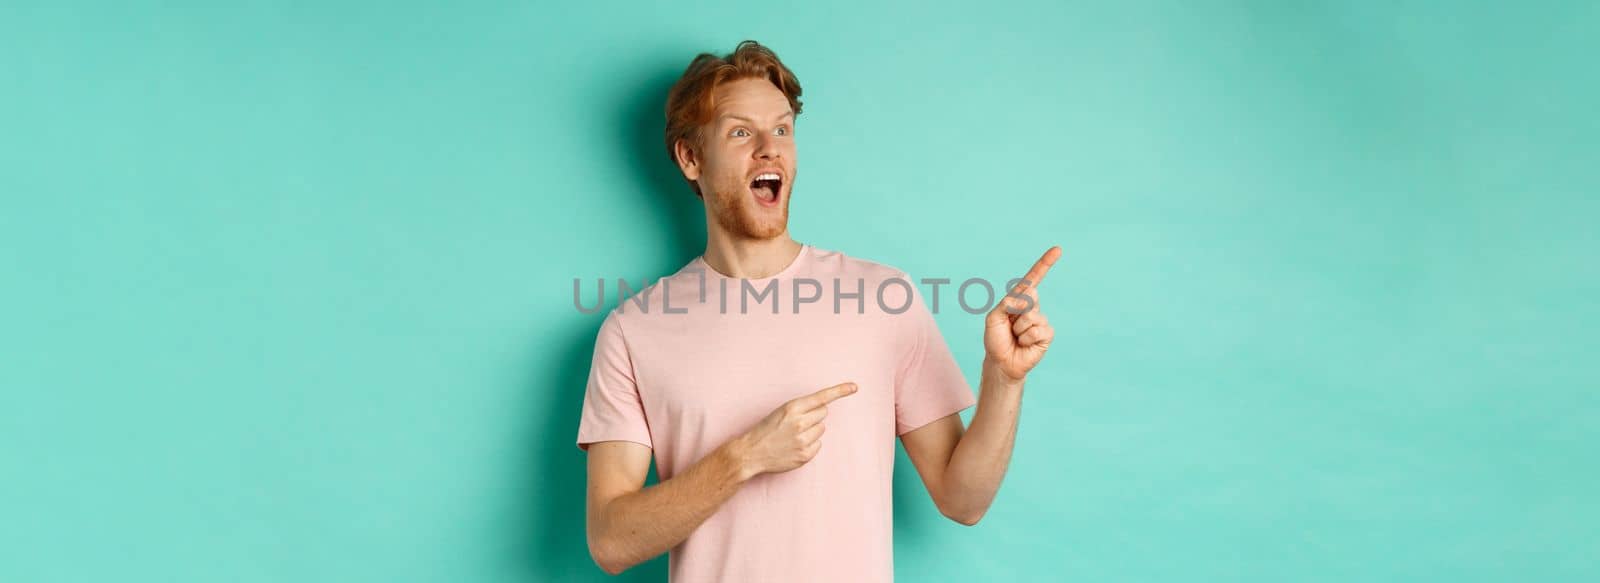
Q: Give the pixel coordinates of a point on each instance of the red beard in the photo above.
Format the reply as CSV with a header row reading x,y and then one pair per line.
x,y
738,214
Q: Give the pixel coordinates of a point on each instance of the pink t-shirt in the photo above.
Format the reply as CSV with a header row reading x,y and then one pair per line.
x,y
685,383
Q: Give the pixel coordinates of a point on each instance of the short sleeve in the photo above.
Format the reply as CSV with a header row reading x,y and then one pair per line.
x,y
929,384
612,410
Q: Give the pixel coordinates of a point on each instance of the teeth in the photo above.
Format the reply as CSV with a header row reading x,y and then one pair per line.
x,y
768,176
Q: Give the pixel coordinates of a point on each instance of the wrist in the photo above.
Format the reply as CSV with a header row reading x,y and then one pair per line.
x,y
993,375
737,454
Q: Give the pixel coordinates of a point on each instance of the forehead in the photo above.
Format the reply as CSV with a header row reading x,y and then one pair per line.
x,y
756,99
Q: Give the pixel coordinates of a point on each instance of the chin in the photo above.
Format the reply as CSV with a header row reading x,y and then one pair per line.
x,y
746,221
771,232
752,227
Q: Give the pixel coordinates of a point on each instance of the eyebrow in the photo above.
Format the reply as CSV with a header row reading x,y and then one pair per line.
x,y
789,114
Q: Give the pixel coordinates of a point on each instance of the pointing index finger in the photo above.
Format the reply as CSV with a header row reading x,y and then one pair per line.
x,y
826,396
1040,268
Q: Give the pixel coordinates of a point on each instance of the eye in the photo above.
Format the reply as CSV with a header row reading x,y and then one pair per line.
x,y
740,133
783,130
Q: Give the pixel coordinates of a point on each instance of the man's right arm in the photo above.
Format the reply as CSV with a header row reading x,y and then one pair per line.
x,y
630,524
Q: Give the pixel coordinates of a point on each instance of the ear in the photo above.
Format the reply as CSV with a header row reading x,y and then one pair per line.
x,y
688,159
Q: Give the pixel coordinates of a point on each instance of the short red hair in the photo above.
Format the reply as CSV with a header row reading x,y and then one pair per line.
x,y
690,105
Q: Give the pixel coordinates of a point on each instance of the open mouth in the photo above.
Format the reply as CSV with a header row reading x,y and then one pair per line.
x,y
766,187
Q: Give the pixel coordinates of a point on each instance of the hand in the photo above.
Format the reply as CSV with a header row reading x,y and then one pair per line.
x,y
789,436
1016,333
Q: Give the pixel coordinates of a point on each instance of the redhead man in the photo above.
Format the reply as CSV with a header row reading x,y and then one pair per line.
x,y
731,398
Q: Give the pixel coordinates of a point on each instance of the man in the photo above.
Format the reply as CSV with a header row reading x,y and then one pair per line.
x,y
732,397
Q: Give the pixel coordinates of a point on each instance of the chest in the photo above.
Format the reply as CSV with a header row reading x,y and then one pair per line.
x,y
724,374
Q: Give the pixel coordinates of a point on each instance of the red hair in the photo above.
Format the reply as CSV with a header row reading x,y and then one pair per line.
x,y
690,104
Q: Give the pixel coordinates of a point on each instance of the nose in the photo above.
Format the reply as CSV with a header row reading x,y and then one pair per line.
x,y
766,148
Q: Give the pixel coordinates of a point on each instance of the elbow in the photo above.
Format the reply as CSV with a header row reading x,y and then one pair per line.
x,y
963,516
965,519
610,568
610,565
605,559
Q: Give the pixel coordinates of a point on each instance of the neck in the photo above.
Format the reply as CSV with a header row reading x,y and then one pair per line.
x,y
750,258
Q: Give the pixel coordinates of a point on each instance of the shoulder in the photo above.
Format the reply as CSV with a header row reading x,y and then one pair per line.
x,y
887,288
830,263
635,305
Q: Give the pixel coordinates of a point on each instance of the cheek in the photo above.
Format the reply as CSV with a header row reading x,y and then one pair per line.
x,y
720,167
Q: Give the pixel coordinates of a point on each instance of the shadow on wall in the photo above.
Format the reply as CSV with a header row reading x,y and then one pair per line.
x,y
556,548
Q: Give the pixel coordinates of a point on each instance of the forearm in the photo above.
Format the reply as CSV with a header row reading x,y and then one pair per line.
x,y
980,459
638,526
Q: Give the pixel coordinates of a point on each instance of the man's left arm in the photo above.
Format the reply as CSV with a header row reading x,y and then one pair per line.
x,y
962,468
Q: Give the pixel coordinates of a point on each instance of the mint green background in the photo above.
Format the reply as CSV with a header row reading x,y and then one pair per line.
x,y
287,285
